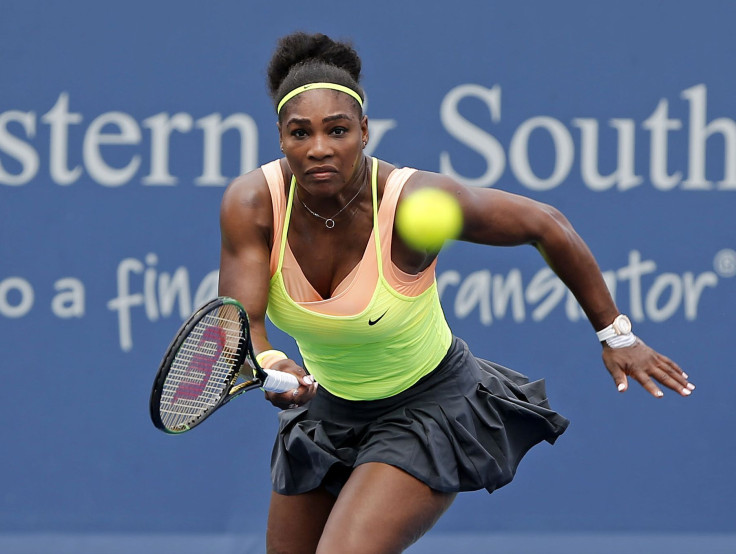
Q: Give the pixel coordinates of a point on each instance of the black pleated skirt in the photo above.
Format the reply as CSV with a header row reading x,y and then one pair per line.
x,y
465,426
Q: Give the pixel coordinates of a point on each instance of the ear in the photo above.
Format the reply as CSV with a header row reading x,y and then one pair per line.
x,y
281,140
364,130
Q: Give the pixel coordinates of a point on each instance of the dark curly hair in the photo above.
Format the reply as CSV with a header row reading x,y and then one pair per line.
x,y
301,58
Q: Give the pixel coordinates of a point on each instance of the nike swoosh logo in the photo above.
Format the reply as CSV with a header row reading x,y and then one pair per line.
x,y
374,321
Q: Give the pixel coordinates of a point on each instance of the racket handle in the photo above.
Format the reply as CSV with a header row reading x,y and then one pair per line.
x,y
279,381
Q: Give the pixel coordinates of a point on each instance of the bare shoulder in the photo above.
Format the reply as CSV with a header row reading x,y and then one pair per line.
x,y
247,190
385,169
246,207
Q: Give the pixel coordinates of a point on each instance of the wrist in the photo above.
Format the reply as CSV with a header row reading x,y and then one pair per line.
x,y
269,357
618,334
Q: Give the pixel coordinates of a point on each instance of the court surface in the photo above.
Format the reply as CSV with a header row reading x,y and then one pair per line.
x,y
433,543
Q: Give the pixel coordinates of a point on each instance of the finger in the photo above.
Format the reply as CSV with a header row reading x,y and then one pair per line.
x,y
673,365
301,395
649,385
304,379
677,374
673,383
673,379
281,400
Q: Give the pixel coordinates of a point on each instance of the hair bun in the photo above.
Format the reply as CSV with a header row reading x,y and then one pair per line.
x,y
299,48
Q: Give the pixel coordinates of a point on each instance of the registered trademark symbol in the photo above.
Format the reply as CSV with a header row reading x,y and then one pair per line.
x,y
725,263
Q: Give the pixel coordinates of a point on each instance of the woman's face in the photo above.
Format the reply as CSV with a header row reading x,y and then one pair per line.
x,y
322,135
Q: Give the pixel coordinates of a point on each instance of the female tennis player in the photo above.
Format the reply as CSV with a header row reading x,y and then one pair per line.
x,y
405,416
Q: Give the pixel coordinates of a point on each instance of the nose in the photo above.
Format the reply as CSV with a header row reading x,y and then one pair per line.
x,y
319,147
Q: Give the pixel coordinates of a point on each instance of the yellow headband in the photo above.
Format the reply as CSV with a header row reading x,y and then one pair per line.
x,y
312,86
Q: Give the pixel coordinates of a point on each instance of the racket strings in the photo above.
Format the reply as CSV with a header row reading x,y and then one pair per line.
x,y
204,368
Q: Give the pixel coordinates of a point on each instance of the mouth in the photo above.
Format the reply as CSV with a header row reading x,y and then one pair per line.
x,y
321,172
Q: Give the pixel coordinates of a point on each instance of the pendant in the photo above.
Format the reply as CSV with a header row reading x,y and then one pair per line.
x,y
329,223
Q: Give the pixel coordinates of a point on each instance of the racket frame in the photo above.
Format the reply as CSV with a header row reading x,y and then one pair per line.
x,y
246,361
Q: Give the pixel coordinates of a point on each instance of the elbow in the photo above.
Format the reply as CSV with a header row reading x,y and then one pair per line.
x,y
553,228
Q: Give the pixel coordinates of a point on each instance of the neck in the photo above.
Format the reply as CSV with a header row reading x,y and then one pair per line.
x,y
339,204
361,175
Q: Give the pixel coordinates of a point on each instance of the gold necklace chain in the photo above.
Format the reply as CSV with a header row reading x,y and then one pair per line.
x,y
330,221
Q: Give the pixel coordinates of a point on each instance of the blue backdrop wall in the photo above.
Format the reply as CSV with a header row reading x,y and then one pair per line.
x,y
120,126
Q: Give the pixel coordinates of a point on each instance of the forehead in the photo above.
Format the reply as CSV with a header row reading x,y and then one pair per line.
x,y
319,103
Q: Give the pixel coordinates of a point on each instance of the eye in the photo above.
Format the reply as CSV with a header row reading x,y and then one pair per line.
x,y
299,133
339,131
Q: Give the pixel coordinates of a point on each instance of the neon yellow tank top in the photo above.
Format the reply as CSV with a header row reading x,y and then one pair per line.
x,y
377,351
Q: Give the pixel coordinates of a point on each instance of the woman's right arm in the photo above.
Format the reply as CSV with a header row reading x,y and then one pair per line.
x,y
246,227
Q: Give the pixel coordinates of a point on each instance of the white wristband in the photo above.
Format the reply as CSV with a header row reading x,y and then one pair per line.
x,y
621,341
618,334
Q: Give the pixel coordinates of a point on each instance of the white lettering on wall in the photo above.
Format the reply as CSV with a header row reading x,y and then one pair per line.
x,y
624,174
59,118
700,131
473,136
159,293
377,128
214,127
657,298
127,132
659,125
16,297
112,150
144,292
161,126
115,135
21,151
519,153
68,301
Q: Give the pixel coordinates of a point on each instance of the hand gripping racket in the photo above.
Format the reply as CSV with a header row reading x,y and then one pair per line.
x,y
198,374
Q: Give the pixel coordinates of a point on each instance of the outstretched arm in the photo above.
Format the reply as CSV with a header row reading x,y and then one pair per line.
x,y
498,218
246,224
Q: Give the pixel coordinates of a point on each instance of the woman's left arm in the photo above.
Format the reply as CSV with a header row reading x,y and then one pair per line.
x,y
571,259
499,218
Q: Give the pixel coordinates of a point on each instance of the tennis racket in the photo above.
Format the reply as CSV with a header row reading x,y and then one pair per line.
x,y
203,365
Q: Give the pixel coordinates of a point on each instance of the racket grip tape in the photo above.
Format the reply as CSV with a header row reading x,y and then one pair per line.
x,y
279,381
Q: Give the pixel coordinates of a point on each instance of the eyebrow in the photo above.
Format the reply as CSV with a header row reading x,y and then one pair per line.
x,y
336,117
305,121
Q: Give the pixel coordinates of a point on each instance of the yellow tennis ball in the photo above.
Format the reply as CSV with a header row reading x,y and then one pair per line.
x,y
428,217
